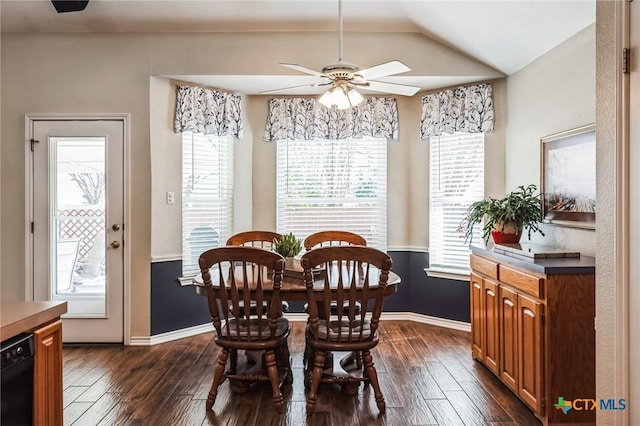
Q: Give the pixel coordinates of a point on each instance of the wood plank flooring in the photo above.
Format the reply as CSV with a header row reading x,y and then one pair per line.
x,y
426,374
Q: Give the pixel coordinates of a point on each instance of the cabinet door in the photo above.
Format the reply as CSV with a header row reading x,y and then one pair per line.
x,y
530,350
508,337
477,317
491,329
47,403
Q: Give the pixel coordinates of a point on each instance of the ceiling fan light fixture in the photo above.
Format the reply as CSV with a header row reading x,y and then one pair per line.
x,y
341,97
354,97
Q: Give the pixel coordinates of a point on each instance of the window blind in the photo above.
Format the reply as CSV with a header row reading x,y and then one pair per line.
x,y
456,164
207,195
333,184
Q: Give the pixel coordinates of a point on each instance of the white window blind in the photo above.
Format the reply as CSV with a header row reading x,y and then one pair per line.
x,y
207,195
333,184
456,164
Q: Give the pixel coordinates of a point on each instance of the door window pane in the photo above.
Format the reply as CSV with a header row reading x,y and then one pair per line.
x,y
77,166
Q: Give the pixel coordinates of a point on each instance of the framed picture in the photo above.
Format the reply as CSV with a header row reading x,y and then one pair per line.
x,y
569,177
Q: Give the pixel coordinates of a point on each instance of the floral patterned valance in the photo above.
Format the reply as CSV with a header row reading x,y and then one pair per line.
x,y
464,109
306,118
202,110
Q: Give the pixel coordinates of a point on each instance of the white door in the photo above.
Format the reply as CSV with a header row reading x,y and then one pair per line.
x,y
77,213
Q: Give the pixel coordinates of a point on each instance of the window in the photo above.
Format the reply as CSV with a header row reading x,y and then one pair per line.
x,y
333,184
207,195
456,164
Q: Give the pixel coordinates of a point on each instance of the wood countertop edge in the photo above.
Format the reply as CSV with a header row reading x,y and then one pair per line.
x,y
22,317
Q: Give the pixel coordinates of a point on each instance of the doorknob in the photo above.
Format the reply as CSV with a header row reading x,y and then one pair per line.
x,y
115,227
115,244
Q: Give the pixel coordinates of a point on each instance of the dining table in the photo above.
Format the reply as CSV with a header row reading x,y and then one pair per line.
x,y
293,288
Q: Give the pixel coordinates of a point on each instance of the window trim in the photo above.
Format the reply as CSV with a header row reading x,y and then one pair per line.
x,y
450,274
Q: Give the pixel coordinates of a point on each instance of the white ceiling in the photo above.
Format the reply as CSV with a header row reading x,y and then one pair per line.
x,y
506,35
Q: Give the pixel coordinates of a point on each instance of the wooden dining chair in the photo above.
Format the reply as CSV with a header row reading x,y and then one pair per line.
x,y
353,275
251,275
262,239
265,240
333,238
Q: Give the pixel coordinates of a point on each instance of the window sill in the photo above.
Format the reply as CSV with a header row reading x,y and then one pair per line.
x,y
450,274
186,281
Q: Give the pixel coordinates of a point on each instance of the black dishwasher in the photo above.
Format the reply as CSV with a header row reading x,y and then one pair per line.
x,y
16,375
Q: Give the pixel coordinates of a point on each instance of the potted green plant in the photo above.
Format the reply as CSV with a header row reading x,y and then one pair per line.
x,y
287,246
506,218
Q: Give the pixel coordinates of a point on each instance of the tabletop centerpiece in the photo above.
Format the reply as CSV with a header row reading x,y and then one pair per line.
x,y
288,246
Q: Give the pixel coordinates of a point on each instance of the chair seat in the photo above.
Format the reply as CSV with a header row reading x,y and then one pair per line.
x,y
257,327
337,328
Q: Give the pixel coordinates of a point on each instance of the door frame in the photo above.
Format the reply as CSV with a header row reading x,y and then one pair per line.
x,y
125,118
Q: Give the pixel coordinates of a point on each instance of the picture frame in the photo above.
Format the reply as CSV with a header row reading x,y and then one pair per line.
x,y
568,177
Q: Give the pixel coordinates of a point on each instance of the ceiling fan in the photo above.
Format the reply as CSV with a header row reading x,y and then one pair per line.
x,y
344,78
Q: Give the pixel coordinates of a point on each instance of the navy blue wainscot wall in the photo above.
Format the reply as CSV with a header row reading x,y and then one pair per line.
x,y
174,307
437,297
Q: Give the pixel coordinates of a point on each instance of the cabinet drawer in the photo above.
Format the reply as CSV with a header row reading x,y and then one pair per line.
x,y
527,283
484,266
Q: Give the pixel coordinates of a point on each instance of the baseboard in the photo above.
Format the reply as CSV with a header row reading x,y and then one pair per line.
x,y
426,319
297,317
171,335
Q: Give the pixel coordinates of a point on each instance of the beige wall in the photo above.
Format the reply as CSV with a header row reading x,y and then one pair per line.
x,y
75,74
110,73
554,93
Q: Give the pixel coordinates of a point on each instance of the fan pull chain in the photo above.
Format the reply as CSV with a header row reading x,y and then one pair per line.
x,y
340,31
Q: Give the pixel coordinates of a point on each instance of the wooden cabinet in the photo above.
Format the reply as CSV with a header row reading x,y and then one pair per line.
x,y
43,320
484,309
48,375
529,352
535,331
477,317
508,338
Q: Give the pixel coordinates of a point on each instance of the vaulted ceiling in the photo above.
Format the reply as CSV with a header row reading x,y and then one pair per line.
x,y
505,35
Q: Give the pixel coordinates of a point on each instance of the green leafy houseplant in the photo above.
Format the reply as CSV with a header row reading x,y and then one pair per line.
x,y
518,210
288,245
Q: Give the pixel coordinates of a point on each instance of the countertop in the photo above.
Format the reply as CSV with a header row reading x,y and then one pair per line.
x,y
560,266
21,317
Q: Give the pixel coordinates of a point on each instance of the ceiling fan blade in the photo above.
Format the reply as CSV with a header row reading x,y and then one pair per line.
x,y
265,92
303,69
396,89
383,70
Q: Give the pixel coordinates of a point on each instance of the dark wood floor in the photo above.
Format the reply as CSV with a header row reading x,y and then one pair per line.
x,y
426,373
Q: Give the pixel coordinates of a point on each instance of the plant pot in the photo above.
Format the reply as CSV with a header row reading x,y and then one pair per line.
x,y
504,238
289,262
